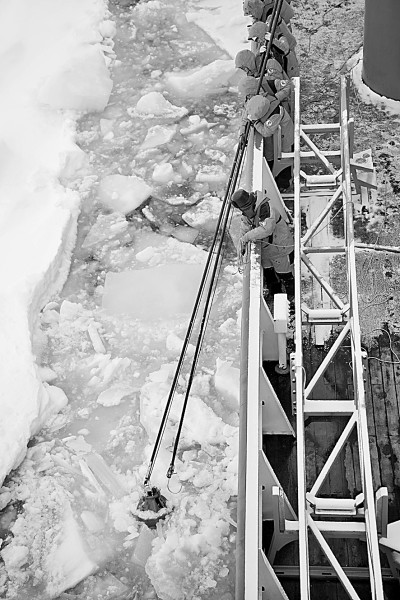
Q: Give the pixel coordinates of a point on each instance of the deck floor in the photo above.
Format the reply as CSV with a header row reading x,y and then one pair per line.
x,y
383,409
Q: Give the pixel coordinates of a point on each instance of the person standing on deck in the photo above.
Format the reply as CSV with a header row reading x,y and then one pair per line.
x,y
261,10
285,49
267,117
281,89
259,33
263,223
248,62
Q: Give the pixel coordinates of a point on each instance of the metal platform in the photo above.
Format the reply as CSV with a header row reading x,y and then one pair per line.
x,y
310,513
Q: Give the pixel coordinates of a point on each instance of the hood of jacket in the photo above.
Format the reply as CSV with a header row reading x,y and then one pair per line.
x,y
246,58
257,107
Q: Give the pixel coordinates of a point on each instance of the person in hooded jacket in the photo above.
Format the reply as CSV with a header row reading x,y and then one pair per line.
x,y
282,29
248,86
265,224
260,10
248,62
284,51
259,33
281,86
249,89
267,116
280,89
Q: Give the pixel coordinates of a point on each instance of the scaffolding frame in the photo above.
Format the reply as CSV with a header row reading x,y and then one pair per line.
x,y
364,516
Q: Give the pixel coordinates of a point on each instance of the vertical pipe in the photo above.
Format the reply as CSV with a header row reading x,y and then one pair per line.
x,y
381,61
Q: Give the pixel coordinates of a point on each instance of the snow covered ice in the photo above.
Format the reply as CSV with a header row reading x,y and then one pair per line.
x,y
216,77
123,193
168,290
84,382
82,84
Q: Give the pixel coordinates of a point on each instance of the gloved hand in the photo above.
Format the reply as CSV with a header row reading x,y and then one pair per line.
x,y
267,36
244,239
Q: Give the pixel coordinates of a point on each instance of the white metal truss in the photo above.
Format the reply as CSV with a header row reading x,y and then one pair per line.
x,y
261,496
355,517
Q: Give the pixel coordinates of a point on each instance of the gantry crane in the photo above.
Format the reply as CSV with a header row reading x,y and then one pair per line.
x,y
328,177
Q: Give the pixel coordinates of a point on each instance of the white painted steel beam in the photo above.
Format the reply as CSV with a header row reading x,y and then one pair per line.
x,y
328,407
358,368
298,363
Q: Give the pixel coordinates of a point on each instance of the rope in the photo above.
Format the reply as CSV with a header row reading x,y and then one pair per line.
x,y
389,362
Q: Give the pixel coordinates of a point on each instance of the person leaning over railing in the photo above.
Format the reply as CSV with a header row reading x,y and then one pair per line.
x,y
267,116
260,35
261,10
265,224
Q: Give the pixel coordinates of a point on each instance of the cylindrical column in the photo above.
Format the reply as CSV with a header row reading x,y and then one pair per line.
x,y
381,63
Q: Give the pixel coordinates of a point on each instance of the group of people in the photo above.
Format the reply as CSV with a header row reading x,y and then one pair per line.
x,y
269,109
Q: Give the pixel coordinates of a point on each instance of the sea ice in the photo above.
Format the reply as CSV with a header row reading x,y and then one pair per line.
x,y
14,556
213,78
84,84
113,395
74,163
184,234
205,214
47,374
211,174
105,228
164,173
196,124
227,382
167,291
106,126
123,193
68,561
108,28
58,398
157,136
174,344
143,546
92,521
155,104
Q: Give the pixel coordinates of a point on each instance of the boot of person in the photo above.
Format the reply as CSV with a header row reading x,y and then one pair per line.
x,y
287,280
272,283
284,179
